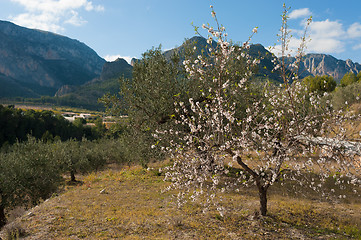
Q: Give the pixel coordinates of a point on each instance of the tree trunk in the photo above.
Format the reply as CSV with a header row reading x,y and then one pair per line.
x,y
263,199
72,176
262,188
2,216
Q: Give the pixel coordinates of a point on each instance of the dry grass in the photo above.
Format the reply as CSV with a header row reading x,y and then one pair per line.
x,y
129,204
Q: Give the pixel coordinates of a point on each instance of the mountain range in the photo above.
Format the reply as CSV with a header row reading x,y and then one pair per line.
x,y
323,64
36,64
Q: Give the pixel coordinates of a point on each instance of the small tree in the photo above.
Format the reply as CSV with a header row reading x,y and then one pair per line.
x,y
358,76
27,174
348,79
347,96
71,158
265,136
147,99
320,84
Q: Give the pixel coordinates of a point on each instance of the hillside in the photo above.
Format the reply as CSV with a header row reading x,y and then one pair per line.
x,y
87,95
36,63
128,204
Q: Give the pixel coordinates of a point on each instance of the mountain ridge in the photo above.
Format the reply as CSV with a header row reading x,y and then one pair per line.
x,y
35,63
312,63
325,64
44,59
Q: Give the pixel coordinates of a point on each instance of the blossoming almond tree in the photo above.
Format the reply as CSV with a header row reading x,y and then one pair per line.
x,y
273,136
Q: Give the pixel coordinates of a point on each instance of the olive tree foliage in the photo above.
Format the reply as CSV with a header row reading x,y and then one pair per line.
x,y
346,96
78,157
71,157
147,99
27,174
265,137
33,170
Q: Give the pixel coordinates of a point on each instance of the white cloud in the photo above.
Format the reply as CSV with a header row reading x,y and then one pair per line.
x,y
111,58
75,19
300,13
327,37
326,45
354,31
356,47
44,21
327,29
89,7
324,37
50,15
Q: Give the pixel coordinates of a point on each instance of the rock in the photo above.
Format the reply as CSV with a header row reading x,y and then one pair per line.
x,y
30,214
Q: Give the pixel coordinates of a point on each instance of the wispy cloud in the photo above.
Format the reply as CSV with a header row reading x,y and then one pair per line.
x,y
327,37
51,15
300,13
354,31
356,47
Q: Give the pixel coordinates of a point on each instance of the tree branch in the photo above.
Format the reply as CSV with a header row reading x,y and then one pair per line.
x,y
243,165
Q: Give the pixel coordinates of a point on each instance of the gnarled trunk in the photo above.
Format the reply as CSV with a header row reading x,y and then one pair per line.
x,y
2,216
72,176
262,191
262,187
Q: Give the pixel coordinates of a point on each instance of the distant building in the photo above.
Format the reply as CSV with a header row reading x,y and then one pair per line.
x,y
70,116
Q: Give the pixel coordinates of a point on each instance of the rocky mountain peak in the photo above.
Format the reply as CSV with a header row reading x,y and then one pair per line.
x,y
323,64
113,69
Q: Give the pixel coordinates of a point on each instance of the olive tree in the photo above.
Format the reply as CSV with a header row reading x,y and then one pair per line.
x,y
71,157
147,100
27,174
346,96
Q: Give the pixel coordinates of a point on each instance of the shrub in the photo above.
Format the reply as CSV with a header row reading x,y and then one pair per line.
x,y
27,174
348,79
346,96
320,84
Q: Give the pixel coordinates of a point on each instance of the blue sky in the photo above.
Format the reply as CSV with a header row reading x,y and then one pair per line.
x,y
127,28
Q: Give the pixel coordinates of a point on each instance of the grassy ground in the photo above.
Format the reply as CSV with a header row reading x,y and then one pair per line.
x,y
128,204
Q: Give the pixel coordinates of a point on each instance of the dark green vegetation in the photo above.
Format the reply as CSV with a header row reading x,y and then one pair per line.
x,y
38,147
345,95
320,84
350,78
34,170
17,124
148,100
348,94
